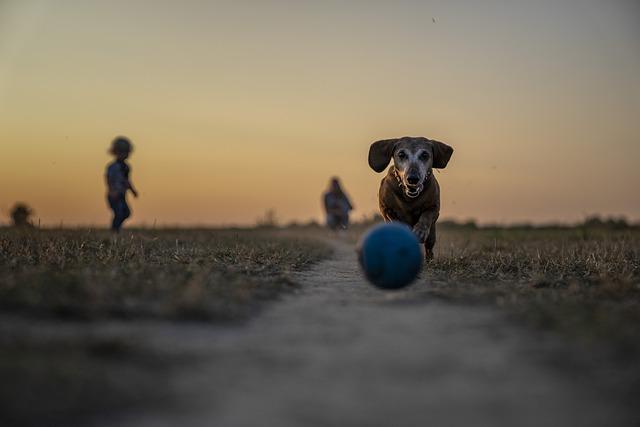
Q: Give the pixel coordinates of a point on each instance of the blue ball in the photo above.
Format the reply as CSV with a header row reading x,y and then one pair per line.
x,y
390,255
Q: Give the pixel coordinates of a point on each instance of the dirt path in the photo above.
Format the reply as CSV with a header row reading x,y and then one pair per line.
x,y
340,353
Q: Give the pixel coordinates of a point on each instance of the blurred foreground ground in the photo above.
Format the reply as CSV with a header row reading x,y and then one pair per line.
x,y
504,328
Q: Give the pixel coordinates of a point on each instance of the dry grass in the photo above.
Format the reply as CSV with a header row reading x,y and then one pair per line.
x,y
582,283
543,258
195,274
57,287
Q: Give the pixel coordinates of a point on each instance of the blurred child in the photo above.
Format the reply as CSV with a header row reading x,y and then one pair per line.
x,y
337,206
118,182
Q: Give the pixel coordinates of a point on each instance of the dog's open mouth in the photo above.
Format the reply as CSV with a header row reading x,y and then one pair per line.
x,y
413,190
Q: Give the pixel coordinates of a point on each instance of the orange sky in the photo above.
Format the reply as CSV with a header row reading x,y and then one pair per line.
x,y
238,107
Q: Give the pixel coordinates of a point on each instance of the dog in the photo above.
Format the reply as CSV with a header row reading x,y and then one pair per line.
x,y
409,193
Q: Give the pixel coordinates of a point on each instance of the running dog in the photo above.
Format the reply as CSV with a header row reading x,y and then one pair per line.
x,y
409,193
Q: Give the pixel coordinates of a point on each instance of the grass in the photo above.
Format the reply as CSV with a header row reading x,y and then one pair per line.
x,y
57,287
580,283
583,283
179,274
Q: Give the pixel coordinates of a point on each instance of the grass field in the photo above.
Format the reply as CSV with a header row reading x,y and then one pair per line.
x,y
59,288
581,283
584,283
179,274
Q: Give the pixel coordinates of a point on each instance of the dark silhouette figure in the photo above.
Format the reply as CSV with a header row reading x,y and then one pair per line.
x,y
337,206
118,182
20,215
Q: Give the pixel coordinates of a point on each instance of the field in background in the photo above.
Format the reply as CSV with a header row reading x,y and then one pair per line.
x,y
582,282
175,274
61,292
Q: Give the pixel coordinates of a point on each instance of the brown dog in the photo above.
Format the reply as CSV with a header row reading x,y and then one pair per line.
x,y
409,192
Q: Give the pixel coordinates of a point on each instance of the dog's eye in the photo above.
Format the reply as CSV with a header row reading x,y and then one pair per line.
x,y
424,157
402,155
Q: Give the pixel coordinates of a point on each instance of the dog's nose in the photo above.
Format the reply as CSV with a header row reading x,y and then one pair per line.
x,y
413,179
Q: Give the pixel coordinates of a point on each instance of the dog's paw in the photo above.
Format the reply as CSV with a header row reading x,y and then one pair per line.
x,y
428,255
421,233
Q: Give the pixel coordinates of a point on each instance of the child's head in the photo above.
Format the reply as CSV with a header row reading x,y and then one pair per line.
x,y
121,147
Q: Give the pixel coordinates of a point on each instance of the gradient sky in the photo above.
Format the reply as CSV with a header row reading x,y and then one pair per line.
x,y
235,107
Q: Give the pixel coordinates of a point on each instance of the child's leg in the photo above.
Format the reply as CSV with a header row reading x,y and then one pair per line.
x,y
332,221
113,204
126,212
344,223
120,212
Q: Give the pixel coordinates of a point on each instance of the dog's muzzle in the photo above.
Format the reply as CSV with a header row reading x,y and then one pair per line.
x,y
413,191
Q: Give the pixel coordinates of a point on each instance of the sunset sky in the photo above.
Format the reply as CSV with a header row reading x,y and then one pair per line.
x,y
236,107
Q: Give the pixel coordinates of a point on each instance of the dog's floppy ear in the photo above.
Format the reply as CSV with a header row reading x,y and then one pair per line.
x,y
380,153
441,154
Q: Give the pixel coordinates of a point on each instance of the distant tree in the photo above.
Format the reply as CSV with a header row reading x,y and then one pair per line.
x,y
269,220
470,224
593,221
312,223
21,215
612,223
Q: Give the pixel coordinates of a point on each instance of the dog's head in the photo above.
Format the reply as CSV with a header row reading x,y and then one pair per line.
x,y
413,158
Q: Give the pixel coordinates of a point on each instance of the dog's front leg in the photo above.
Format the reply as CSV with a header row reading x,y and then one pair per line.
x,y
423,226
388,214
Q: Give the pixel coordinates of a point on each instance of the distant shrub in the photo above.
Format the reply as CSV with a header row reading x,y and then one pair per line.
x,y
609,223
21,215
312,223
268,220
453,224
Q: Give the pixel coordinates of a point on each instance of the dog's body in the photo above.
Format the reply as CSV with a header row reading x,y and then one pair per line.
x,y
409,193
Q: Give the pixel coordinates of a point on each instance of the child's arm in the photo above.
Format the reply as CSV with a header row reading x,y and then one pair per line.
x,y
133,190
